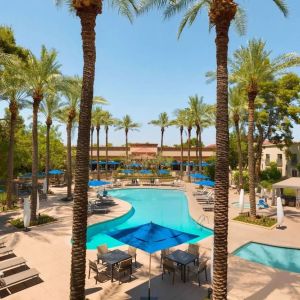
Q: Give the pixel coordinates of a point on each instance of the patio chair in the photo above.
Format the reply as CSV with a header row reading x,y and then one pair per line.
x,y
197,270
123,267
170,267
12,263
95,268
101,249
6,250
132,251
163,254
194,250
12,280
262,204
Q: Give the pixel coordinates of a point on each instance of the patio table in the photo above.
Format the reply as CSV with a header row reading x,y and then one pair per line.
x,y
182,258
114,257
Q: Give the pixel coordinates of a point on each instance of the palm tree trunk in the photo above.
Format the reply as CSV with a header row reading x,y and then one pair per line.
x,y
13,107
69,160
92,133
251,166
197,146
221,14
126,143
162,141
200,150
47,168
181,151
88,22
189,152
98,154
240,157
35,162
106,152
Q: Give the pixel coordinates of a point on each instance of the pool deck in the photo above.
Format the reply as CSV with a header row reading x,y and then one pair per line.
x,y
47,248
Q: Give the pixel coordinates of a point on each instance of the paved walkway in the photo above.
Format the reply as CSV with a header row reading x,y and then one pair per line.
x,y
48,249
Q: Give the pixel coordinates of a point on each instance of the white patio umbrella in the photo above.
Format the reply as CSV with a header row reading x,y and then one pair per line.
x,y
26,213
242,200
280,212
37,202
45,186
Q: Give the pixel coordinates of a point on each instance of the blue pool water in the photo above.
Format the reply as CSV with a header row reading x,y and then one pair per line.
x,y
287,259
165,207
237,204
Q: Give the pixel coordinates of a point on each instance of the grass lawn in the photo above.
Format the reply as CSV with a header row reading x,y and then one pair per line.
x,y
259,220
42,219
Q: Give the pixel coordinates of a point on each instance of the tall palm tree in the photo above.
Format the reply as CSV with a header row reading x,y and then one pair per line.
x,y
180,122
221,14
252,66
40,75
108,121
237,109
202,114
189,123
126,124
50,107
163,122
12,90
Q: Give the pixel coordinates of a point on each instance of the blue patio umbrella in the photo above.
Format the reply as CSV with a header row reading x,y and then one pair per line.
x,y
199,176
145,172
150,238
56,172
93,183
206,183
127,171
163,172
205,164
135,165
175,163
113,163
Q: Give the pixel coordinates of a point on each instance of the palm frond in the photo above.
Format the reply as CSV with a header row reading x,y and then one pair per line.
x,y
282,6
240,21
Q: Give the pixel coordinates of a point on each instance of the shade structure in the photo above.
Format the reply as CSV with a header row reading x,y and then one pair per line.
x,y
163,172
56,172
135,165
127,171
241,200
199,176
145,172
206,183
150,238
93,183
280,212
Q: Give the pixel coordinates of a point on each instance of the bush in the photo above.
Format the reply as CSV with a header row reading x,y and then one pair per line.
x,y
235,177
271,173
259,220
42,219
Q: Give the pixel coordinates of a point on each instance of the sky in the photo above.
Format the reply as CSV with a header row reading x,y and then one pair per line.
x,y
142,69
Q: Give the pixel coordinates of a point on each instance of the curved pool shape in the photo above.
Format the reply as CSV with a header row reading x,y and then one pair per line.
x,y
165,207
237,204
283,258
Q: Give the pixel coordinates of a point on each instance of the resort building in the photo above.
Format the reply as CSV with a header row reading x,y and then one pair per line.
x,y
286,158
144,151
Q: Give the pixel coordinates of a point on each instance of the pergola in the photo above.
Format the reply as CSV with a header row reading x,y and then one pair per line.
x,y
292,183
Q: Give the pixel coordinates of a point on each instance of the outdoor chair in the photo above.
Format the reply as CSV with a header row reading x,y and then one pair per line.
x,y
163,254
197,270
208,207
132,251
101,249
95,268
9,281
123,267
194,250
3,242
168,266
262,204
12,263
6,250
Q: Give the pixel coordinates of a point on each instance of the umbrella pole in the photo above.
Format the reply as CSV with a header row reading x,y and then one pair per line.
x,y
149,277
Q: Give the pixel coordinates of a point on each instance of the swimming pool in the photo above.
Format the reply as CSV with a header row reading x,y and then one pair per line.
x,y
165,207
283,258
237,204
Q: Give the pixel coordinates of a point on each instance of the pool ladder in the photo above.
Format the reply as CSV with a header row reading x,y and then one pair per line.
x,y
202,218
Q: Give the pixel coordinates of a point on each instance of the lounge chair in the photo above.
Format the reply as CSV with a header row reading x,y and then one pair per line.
x,y
12,263
99,209
3,241
204,191
202,267
9,281
123,267
205,196
262,204
208,207
96,268
6,250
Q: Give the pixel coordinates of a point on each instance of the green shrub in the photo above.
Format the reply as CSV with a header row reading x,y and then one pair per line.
x,y
235,177
259,220
271,173
42,219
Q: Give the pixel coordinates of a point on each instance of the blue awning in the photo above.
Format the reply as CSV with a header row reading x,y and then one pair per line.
x,y
206,183
56,172
94,183
145,171
199,176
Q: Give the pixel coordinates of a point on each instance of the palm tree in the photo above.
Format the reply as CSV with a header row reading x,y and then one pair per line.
x,y
221,14
237,109
127,124
50,107
163,122
189,125
40,75
180,122
108,121
12,90
202,114
252,66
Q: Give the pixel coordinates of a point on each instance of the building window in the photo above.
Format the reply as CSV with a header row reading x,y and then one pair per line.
x,y
267,159
279,160
294,159
294,173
